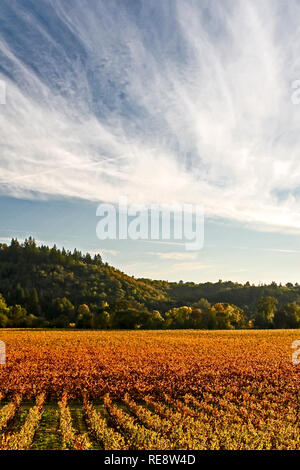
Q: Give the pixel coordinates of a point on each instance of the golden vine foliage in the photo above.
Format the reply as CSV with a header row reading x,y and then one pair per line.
x,y
105,435
70,438
8,411
23,439
162,389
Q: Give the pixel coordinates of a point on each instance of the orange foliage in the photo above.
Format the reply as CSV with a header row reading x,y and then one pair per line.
x,y
181,389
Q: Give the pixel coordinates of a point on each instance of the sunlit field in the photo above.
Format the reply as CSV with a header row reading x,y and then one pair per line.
x,y
149,390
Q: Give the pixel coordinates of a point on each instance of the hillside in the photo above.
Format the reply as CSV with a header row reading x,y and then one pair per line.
x,y
44,286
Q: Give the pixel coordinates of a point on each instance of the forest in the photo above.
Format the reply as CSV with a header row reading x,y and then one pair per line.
x,y
43,287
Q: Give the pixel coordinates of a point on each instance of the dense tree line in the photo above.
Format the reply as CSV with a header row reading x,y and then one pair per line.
x,y
47,287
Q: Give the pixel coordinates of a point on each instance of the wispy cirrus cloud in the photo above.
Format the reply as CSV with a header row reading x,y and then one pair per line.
x,y
160,101
282,250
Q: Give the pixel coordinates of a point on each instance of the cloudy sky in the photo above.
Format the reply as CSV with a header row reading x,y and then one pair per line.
x,y
161,102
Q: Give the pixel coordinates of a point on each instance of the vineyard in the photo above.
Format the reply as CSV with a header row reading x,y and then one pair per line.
x,y
162,390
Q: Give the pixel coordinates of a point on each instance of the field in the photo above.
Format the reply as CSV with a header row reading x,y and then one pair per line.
x,y
149,390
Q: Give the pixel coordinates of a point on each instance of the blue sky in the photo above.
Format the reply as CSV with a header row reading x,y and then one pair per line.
x,y
161,102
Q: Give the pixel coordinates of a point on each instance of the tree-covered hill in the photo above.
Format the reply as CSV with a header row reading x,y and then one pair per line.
x,y
48,287
36,277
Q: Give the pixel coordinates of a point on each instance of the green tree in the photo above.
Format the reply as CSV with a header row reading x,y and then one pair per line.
x,y
178,317
61,306
85,318
129,315
32,304
287,316
3,320
265,312
3,306
228,317
62,321
4,311
102,320
203,305
156,321
19,295
201,316
18,317
196,318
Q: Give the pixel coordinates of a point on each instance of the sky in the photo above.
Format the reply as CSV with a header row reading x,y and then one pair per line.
x,y
182,102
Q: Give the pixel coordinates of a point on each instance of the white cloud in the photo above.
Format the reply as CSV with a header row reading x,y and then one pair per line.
x,y
190,266
160,242
194,108
174,255
281,250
